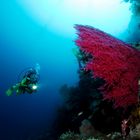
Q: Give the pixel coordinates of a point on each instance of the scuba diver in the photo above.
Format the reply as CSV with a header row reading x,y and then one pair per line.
x,y
28,83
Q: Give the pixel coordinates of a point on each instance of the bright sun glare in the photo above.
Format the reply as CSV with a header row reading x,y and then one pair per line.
x,y
59,16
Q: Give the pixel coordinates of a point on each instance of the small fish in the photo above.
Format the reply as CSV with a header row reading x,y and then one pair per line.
x,y
80,113
77,116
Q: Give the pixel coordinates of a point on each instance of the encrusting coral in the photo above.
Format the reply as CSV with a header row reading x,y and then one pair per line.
x,y
69,136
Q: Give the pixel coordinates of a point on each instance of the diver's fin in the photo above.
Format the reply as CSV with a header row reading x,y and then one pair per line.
x,y
9,92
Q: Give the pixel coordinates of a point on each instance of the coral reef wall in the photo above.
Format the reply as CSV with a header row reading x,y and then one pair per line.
x,y
134,25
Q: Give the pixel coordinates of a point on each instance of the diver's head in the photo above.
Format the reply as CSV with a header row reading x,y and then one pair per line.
x,y
37,68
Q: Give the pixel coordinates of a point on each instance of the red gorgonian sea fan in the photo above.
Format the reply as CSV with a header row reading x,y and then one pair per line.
x,y
114,61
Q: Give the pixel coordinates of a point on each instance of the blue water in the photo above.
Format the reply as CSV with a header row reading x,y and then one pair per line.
x,y
23,43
